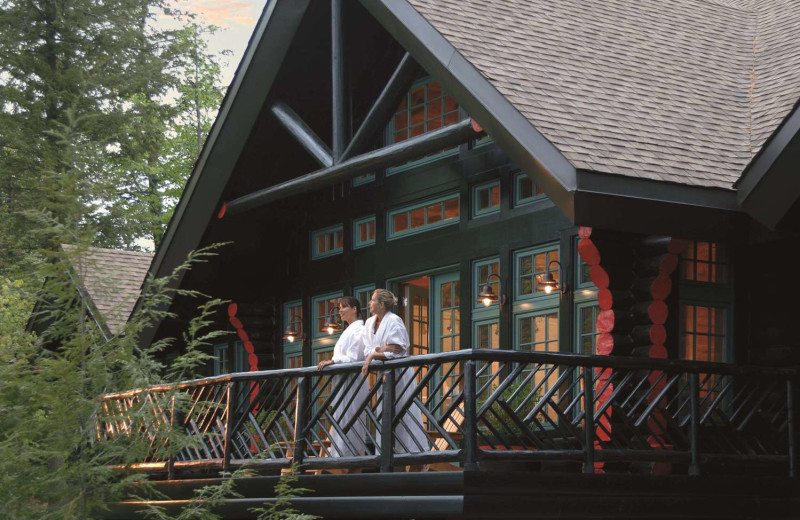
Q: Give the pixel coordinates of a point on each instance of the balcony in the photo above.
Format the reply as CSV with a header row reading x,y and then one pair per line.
x,y
487,413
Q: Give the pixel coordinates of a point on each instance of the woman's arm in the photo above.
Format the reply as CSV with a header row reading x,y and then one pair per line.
x,y
380,354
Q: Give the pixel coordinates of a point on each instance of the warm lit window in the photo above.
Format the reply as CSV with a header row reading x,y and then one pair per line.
x,y
703,333
327,242
486,334
426,107
486,199
482,271
705,262
326,310
294,361
530,265
363,295
363,232
422,217
293,319
587,328
538,333
525,190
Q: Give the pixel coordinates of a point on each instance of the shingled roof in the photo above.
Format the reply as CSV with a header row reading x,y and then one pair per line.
x,y
686,91
113,280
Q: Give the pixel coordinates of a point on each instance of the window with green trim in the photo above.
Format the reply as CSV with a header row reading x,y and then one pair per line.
x,y
293,318
229,357
586,314
530,265
365,178
363,294
424,216
481,271
425,108
326,310
486,199
363,232
538,332
327,242
703,332
221,360
525,190
293,360
704,262
486,334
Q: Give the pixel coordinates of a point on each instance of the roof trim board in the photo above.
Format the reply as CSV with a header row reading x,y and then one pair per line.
x,y
525,145
771,183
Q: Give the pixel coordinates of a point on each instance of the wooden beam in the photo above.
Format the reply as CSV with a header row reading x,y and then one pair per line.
x,y
391,155
302,133
337,80
378,116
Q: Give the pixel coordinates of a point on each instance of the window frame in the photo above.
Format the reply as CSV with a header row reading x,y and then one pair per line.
x,y
535,296
518,199
357,243
316,255
286,306
317,336
478,309
444,222
476,211
357,292
727,339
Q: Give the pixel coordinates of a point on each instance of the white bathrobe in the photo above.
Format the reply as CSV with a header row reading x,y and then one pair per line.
x,y
410,437
349,349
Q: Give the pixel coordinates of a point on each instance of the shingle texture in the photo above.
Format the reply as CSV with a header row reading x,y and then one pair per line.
x,y
685,91
112,279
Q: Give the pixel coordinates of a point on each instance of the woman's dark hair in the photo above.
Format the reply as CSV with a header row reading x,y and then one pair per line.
x,y
349,301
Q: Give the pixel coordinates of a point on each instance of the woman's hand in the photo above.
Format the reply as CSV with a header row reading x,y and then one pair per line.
x,y
394,349
367,361
324,363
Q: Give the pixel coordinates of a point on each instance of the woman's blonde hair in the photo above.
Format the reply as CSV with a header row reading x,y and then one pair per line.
x,y
385,297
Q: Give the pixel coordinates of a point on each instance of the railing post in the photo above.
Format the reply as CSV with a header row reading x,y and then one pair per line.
x,y
171,459
588,404
387,417
790,418
226,452
301,420
470,417
694,428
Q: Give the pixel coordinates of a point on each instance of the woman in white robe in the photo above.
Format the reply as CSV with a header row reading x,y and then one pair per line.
x,y
386,337
349,349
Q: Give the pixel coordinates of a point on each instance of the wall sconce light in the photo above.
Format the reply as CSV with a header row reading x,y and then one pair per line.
x,y
332,326
291,335
487,296
548,283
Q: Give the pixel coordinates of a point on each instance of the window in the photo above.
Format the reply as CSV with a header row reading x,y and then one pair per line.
x,y
294,360
293,318
538,332
326,310
327,242
221,361
362,179
486,199
587,328
481,271
525,190
363,293
423,217
363,232
703,333
486,334
704,262
530,265
229,357
425,108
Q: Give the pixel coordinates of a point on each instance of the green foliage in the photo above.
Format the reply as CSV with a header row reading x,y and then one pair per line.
x,y
281,508
519,397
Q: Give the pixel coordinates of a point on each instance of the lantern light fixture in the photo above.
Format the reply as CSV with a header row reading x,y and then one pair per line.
x,y
547,281
487,297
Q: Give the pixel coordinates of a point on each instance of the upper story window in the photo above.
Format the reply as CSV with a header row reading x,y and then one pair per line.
x,y
326,310
705,262
364,232
416,218
482,270
525,190
530,265
363,293
486,199
293,320
425,108
327,242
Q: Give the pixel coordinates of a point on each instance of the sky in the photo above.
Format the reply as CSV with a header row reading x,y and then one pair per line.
x,y
235,18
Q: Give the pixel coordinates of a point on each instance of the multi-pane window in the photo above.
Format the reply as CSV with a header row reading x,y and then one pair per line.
x,y
538,332
229,357
422,217
587,328
426,107
326,310
482,271
530,266
327,242
486,199
486,334
363,295
704,262
418,305
294,361
703,333
364,232
221,360
293,319
525,190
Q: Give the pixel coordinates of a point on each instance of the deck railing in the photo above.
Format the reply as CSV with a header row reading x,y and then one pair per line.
x,y
464,409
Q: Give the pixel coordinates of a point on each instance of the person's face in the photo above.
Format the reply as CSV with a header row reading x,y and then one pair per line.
x,y
348,314
374,305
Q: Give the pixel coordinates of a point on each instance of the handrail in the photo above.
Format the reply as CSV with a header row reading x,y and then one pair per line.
x,y
467,408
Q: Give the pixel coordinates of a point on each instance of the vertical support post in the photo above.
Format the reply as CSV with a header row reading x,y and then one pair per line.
x,y
790,418
588,419
226,451
387,417
301,420
171,459
694,428
470,417
337,80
